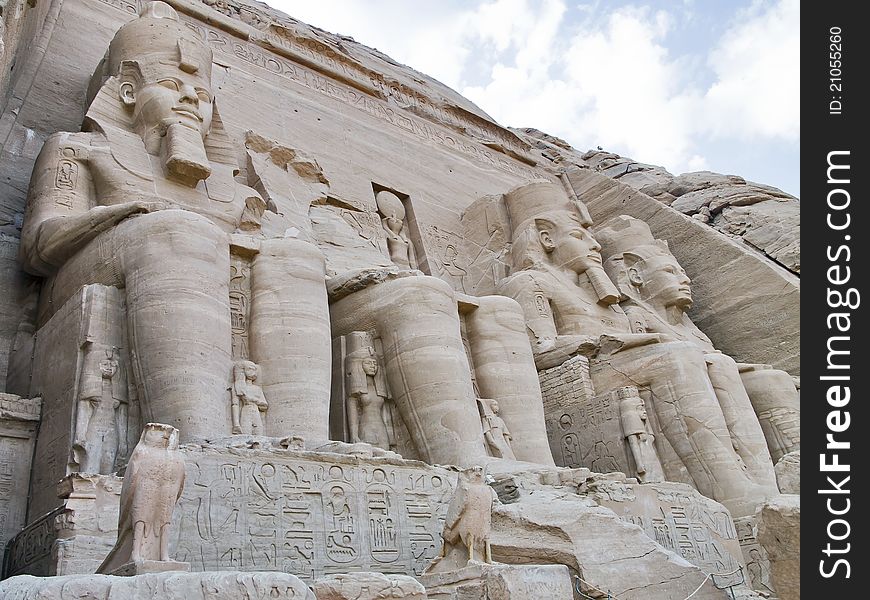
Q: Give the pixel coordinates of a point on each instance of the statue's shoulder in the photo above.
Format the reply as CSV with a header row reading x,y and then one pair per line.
x,y
72,145
524,281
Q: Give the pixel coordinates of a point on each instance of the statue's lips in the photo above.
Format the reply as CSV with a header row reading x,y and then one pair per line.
x,y
189,112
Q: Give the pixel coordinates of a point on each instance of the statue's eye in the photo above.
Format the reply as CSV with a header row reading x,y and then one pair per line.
x,y
203,95
169,84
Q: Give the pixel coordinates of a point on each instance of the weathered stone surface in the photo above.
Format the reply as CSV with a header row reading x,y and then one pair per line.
x,y
608,553
499,582
368,586
172,586
779,532
788,473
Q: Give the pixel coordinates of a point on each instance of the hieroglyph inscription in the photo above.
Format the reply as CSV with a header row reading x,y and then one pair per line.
x,y
262,511
687,528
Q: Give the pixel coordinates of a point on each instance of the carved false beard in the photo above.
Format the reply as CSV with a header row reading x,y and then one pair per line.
x,y
184,154
604,288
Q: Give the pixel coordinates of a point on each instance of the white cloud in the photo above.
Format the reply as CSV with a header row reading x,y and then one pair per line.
x,y
595,75
757,61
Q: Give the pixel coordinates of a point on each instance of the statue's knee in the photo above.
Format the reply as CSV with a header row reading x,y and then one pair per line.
x,y
179,224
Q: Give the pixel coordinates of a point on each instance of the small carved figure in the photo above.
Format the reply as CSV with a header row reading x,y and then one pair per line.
x,y
495,430
637,431
152,485
368,414
393,213
468,523
248,399
101,419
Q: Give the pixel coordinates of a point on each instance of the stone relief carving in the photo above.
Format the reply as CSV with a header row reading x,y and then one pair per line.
x,y
571,306
369,418
638,433
152,485
495,431
308,513
392,211
248,402
100,442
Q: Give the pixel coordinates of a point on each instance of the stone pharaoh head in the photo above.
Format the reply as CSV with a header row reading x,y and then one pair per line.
x,y
642,266
164,71
159,72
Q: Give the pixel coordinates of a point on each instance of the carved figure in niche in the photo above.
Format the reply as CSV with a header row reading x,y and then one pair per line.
x,y
468,523
149,208
248,401
638,434
557,259
393,219
152,486
100,443
495,431
368,412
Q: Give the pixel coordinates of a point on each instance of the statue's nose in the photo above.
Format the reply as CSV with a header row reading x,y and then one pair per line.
x,y
188,95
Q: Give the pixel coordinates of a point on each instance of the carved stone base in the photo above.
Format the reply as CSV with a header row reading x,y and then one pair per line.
x,y
499,582
144,567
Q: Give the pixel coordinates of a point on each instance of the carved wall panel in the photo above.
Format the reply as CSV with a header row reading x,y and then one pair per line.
x,y
694,527
308,514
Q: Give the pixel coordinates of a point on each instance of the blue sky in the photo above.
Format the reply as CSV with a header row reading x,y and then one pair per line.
x,y
690,85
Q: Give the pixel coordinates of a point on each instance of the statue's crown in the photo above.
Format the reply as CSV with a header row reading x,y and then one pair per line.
x,y
158,37
537,199
623,233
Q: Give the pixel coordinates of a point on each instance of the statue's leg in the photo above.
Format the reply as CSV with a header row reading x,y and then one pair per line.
x,y
505,369
488,551
290,338
176,271
139,543
470,546
164,542
775,399
746,432
425,362
689,414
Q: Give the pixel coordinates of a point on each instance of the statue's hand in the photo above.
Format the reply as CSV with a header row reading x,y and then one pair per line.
x,y
146,206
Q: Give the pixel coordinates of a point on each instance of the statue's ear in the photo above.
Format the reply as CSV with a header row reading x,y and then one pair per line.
x,y
131,80
545,228
634,277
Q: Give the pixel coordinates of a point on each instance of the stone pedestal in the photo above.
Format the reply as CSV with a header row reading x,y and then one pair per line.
x,y
499,582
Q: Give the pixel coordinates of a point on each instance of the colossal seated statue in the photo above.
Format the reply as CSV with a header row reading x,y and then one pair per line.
x,y
145,199
656,296
571,306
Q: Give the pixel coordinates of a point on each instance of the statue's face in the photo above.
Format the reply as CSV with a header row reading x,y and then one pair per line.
x,y
173,97
251,371
572,246
662,279
494,406
370,366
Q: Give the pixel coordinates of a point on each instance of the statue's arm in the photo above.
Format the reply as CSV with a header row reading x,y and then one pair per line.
x,y
62,213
